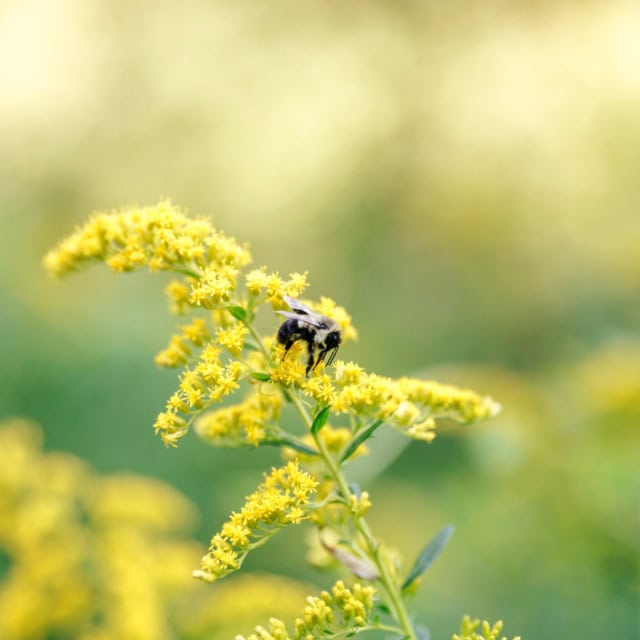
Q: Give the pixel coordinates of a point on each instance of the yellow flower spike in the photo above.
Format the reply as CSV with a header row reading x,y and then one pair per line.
x,y
280,500
160,236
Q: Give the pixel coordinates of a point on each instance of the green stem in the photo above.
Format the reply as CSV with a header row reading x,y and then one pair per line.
x,y
386,579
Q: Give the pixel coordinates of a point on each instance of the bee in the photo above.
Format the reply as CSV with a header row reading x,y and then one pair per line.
x,y
321,334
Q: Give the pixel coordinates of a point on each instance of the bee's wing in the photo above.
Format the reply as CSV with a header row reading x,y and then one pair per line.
x,y
297,306
302,318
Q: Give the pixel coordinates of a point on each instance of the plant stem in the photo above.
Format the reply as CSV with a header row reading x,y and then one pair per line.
x,y
393,590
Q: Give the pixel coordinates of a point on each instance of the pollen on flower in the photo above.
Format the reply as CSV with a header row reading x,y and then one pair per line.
x,y
289,370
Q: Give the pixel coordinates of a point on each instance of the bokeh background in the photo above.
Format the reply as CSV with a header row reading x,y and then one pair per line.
x,y
463,177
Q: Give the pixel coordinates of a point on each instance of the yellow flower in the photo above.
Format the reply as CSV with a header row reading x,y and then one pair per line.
x,y
408,404
282,499
289,370
245,423
178,294
274,287
82,550
340,610
256,281
488,631
175,354
196,332
214,287
232,338
160,236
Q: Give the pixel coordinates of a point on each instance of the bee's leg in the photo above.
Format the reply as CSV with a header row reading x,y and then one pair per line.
x,y
288,346
311,346
321,356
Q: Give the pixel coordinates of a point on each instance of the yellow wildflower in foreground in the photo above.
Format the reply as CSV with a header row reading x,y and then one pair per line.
x,y
87,556
342,611
282,499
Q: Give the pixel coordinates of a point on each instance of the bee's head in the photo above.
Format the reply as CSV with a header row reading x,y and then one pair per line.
x,y
333,339
331,344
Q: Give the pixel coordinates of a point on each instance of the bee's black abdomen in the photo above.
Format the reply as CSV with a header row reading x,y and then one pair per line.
x,y
287,331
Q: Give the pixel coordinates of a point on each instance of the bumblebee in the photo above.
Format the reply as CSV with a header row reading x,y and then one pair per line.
x,y
321,334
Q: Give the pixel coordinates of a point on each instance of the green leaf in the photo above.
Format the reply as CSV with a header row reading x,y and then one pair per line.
x,y
292,443
428,555
259,375
320,420
239,313
359,439
423,632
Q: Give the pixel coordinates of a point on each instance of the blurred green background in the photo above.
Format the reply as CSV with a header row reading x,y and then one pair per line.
x,y
463,177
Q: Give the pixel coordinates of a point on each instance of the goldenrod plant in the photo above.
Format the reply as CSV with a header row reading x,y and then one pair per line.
x,y
235,383
81,549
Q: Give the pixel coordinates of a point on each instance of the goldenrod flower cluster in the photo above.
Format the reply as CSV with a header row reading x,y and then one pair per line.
x,y
342,611
408,404
89,557
282,499
487,631
248,422
161,237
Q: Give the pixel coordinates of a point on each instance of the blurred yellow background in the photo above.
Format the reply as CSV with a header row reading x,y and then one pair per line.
x,y
462,177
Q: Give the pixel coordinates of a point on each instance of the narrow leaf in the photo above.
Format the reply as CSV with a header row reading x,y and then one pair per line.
x,y
292,443
239,313
320,420
259,375
423,632
429,554
359,439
